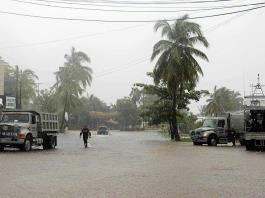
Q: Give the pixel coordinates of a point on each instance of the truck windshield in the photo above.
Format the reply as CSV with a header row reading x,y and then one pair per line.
x,y
21,118
210,123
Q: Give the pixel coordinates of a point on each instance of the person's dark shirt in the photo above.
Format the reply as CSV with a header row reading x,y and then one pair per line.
x,y
85,132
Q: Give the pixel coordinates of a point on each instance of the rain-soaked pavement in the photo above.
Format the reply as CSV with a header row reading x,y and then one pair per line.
x,y
132,164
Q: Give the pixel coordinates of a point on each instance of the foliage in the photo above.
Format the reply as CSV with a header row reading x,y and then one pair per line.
x,y
188,121
176,65
128,113
47,101
93,112
22,84
95,104
222,100
159,111
72,79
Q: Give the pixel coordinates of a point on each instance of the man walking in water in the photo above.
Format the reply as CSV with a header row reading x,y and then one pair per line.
x,y
86,133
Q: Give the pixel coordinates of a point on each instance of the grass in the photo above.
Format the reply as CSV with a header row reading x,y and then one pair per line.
x,y
183,138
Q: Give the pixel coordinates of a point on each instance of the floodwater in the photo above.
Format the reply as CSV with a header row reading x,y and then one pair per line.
x,y
131,164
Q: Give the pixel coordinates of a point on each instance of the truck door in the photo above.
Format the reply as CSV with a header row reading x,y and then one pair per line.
x,y
33,125
221,129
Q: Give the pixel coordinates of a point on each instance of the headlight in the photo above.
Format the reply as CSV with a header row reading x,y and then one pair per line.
x,y
205,134
22,134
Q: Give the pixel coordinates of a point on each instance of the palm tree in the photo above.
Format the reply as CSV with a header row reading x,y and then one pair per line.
x,y
20,83
72,79
223,100
176,65
27,88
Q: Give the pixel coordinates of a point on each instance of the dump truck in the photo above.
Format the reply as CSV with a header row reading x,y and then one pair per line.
x,y
220,130
24,129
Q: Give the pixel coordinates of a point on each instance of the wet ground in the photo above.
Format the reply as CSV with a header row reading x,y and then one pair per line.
x,y
131,164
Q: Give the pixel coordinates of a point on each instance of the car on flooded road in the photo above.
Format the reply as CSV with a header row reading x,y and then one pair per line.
x,y
103,130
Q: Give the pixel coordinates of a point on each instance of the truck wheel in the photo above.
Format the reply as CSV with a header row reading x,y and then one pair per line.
x,y
249,145
2,148
52,142
45,143
27,146
212,141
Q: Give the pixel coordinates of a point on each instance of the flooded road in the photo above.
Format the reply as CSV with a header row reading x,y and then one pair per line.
x,y
131,164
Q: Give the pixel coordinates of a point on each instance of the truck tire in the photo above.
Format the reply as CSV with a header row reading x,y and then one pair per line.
x,y
52,142
2,147
249,145
45,143
212,140
49,142
27,146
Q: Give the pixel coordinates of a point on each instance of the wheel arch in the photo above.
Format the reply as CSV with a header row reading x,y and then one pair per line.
x,y
212,134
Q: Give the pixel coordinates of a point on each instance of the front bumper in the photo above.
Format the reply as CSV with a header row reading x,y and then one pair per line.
x,y
199,139
11,141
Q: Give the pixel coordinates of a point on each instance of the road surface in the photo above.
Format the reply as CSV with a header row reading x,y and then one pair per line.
x,y
131,164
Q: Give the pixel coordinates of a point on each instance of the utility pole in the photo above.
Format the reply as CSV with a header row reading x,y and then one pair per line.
x,y
2,76
17,84
20,91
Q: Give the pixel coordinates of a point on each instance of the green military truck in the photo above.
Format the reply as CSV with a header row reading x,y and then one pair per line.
x,y
24,129
220,130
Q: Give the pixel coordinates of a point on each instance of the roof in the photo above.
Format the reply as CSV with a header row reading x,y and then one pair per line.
x,y
21,111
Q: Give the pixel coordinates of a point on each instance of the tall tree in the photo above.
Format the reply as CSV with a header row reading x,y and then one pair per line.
x,y
222,100
176,65
72,80
20,83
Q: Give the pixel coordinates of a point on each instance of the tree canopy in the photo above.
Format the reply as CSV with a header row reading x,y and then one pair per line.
x,y
176,65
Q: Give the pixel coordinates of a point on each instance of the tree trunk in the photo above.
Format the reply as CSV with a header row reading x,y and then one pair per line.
x,y
64,109
20,92
170,129
174,118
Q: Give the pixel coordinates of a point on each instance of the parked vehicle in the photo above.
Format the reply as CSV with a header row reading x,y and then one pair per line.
x,y
255,118
23,129
103,130
220,130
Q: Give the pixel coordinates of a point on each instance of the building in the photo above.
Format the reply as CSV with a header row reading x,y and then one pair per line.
x,y
2,76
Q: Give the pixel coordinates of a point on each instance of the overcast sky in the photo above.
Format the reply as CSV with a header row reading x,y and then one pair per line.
x,y
120,52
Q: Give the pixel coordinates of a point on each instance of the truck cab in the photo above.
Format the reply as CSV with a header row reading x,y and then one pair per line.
x,y
212,132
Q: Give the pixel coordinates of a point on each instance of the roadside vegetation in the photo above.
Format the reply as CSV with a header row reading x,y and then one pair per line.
x,y
163,103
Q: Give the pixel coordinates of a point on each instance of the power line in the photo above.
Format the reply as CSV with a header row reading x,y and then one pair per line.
x,y
135,11
102,33
114,5
208,30
71,38
125,21
137,2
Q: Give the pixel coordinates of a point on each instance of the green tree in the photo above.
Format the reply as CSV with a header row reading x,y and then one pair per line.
x,y
128,113
222,100
72,79
47,101
160,109
176,65
22,84
95,104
